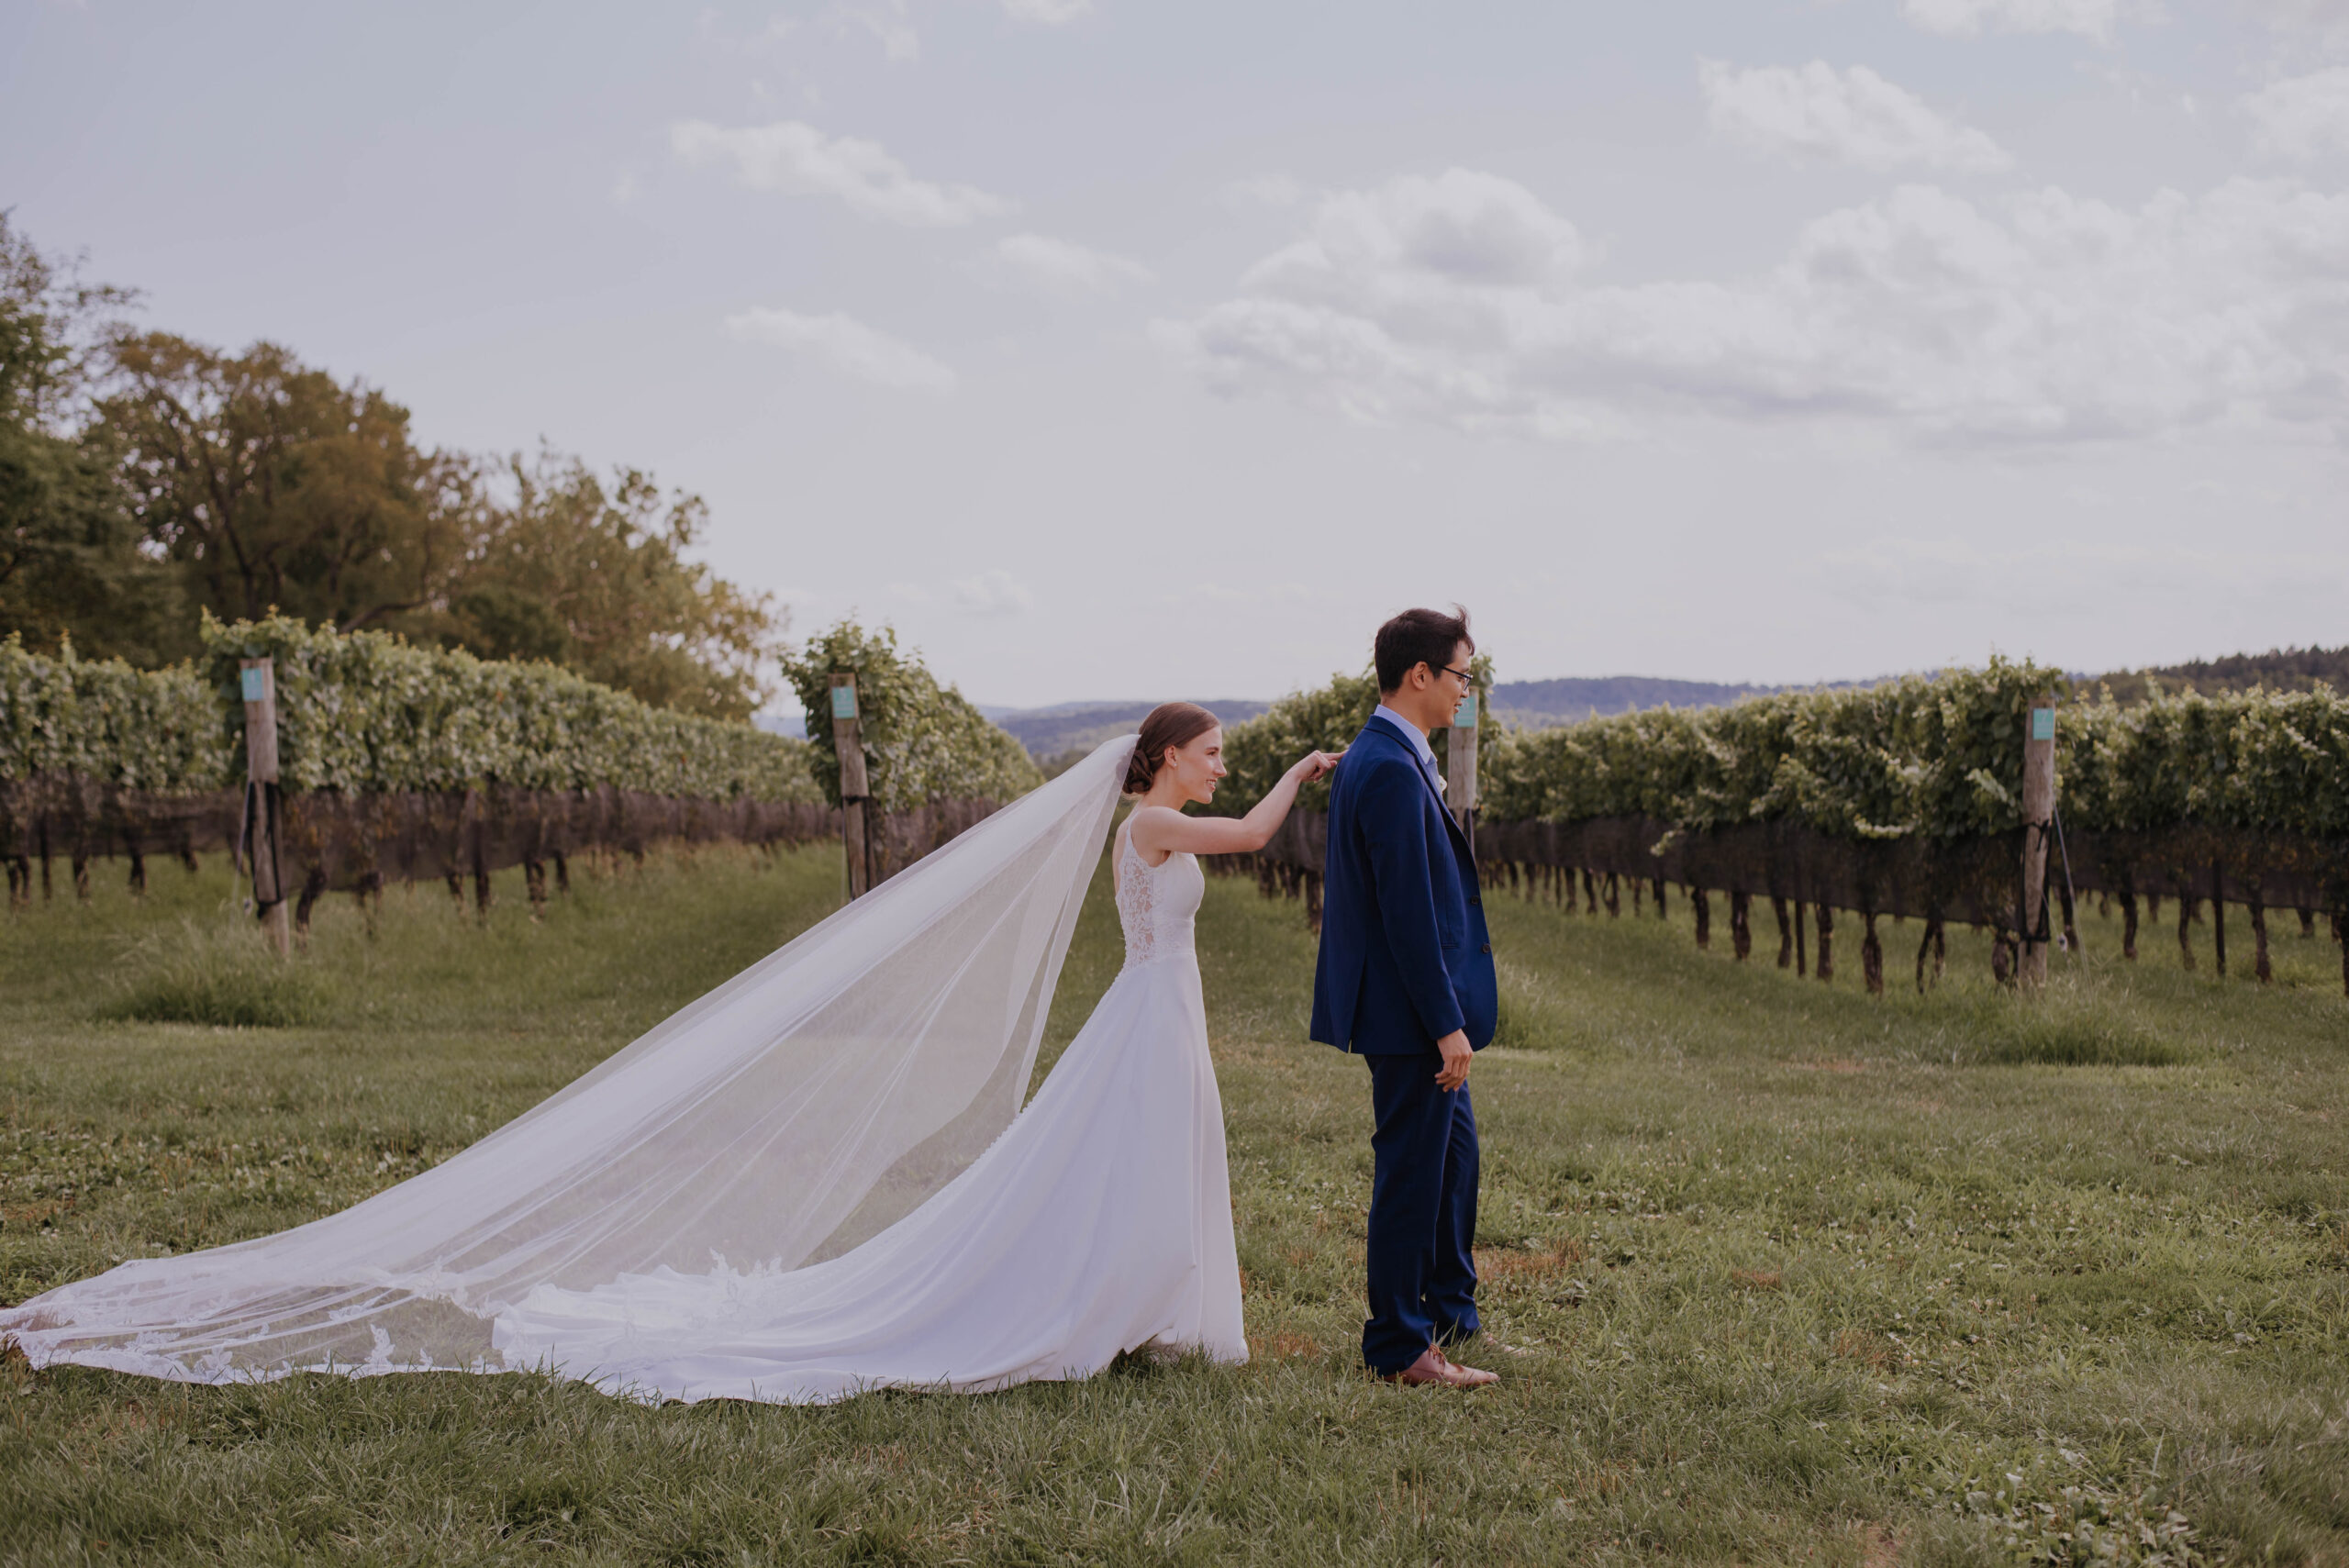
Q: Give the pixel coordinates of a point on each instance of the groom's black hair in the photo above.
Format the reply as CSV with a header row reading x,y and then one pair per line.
x,y
1418,636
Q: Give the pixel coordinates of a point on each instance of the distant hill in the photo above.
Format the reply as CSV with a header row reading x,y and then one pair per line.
x,y
2282,669
1055,732
1058,731
1539,705
1048,732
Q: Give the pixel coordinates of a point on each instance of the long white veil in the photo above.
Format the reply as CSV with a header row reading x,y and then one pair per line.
x,y
794,1111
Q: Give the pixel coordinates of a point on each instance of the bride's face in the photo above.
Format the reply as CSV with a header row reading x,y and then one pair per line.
x,y
1195,767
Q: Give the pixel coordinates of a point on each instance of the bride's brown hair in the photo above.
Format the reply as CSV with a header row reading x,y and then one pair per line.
x,y
1169,724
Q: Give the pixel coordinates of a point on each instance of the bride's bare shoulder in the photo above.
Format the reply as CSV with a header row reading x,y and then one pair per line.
x,y
1148,829
1145,819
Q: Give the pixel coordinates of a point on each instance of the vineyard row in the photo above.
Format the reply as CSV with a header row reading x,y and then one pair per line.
x,y
398,764
1904,799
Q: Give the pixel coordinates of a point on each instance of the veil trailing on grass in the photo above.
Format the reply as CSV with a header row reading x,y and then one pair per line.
x,y
792,1112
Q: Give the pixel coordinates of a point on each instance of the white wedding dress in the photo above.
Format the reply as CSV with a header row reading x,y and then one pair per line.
x,y
1099,1222
815,1179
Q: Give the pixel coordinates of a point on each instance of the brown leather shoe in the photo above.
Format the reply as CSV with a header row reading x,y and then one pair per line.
x,y
1434,1368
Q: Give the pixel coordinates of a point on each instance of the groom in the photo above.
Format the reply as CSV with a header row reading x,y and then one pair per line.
x,y
1405,980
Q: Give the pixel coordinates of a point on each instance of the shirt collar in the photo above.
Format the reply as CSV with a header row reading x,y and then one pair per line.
x,y
1411,733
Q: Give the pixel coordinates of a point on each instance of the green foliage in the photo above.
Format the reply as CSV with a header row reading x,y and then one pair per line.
x,y
70,563
276,489
1934,757
1258,751
593,576
1937,757
1325,719
2266,759
104,721
922,741
368,711
2279,669
271,486
144,476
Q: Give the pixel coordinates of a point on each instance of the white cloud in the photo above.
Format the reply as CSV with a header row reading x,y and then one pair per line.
x,y
798,157
1253,594
1064,267
2048,318
1965,19
2053,574
2302,117
887,22
1050,12
1264,189
1460,228
2324,22
1845,116
996,592
847,345
990,595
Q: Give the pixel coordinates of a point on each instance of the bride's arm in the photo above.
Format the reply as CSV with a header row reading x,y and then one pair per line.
x,y
1161,830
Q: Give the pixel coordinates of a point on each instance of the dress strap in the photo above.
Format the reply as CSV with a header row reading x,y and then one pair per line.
x,y
1125,851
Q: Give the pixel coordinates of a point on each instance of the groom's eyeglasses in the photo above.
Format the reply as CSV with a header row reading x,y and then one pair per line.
x,y
1467,678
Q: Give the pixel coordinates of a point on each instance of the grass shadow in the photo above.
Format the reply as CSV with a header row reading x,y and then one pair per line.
x,y
226,978
2069,1023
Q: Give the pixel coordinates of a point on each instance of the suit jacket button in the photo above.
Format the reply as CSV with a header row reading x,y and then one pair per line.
x,y
1476,901
1488,947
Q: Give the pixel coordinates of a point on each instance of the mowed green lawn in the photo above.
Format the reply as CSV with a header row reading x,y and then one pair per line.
x,y
1800,1275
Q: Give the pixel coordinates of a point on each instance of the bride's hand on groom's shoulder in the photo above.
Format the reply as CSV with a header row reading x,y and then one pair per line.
x,y
1315,765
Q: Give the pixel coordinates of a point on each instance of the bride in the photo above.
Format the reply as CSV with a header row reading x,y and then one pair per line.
x,y
816,1179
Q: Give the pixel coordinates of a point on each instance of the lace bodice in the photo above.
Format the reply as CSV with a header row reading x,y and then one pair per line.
x,y
1156,902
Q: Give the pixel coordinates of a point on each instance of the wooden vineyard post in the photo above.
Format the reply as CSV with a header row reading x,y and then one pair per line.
x,y
1459,767
848,744
258,678
2038,825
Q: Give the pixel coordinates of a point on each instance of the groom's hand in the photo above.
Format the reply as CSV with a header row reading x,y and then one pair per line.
x,y
1458,1055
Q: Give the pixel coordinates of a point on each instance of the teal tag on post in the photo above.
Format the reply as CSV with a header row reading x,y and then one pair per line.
x,y
2042,724
1465,716
252,685
844,701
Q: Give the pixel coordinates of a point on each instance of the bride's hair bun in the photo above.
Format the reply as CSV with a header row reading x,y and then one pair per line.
x,y
1169,724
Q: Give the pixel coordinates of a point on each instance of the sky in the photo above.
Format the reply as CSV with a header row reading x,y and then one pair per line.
x,y
1117,350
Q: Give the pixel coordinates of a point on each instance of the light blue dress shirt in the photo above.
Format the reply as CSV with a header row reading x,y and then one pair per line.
x,y
1419,743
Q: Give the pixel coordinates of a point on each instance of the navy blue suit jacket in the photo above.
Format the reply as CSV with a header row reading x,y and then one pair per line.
x,y
1405,957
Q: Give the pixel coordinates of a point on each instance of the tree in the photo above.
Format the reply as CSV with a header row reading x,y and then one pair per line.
x,y
594,577
144,476
923,742
269,484
71,565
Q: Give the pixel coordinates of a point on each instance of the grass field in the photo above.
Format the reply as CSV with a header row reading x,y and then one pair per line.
x,y
1802,1277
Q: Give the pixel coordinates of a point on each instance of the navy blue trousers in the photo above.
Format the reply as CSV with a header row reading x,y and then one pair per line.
x,y
1422,1213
